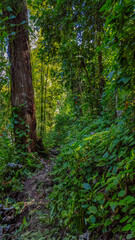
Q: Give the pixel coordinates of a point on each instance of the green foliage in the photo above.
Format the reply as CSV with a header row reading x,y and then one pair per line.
x,y
16,164
83,74
94,179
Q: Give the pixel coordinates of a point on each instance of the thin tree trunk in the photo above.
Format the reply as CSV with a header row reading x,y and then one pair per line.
x,y
45,101
100,62
99,28
42,89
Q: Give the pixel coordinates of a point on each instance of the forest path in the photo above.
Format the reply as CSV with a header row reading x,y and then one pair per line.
x,y
36,191
32,221
29,216
35,197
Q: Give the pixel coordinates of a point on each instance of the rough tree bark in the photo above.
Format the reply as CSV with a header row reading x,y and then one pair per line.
x,y
22,95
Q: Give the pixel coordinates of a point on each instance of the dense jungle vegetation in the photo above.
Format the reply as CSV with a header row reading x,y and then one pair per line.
x,y
67,98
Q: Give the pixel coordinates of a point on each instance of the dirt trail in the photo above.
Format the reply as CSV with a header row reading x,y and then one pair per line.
x,y
34,220
34,215
37,189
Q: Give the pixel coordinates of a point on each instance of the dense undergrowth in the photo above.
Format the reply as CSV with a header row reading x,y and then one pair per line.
x,y
16,166
94,177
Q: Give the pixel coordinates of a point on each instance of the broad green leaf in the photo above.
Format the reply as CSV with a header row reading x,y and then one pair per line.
x,y
124,219
106,155
133,223
121,193
115,170
92,219
129,236
22,22
126,228
12,17
130,199
107,222
12,33
124,209
85,206
93,209
117,217
113,205
133,230
100,196
86,186
124,80
9,9
64,213
121,202
130,220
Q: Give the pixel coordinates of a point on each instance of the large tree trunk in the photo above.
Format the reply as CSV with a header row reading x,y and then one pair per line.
x,y
22,95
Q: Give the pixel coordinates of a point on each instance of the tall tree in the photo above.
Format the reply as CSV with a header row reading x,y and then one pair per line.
x,y
22,95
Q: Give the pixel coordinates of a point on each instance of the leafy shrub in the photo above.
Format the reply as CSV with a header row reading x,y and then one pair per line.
x,y
94,179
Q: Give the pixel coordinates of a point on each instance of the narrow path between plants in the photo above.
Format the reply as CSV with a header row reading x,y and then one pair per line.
x,y
33,220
